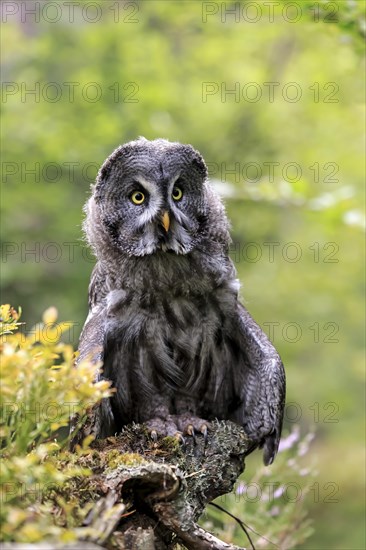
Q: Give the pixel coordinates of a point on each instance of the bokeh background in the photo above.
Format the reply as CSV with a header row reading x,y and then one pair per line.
x,y
272,95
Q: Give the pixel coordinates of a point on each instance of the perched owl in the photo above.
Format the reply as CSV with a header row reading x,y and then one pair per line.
x,y
164,316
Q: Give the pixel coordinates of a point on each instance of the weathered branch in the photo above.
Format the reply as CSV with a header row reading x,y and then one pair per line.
x,y
161,489
149,496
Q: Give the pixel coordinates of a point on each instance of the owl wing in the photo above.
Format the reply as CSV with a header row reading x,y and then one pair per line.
x,y
259,379
92,336
92,347
91,340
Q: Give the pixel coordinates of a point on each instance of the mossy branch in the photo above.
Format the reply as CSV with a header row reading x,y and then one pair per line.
x,y
150,495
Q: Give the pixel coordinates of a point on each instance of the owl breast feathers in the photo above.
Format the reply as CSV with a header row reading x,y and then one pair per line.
x,y
164,313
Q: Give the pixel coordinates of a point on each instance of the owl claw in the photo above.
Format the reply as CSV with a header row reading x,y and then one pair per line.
x,y
204,432
179,437
154,435
191,431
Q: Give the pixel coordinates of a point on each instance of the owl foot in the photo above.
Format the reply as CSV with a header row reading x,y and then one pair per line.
x,y
189,430
164,427
192,425
178,426
187,421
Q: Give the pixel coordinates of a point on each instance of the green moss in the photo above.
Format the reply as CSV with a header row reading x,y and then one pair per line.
x,y
114,459
170,444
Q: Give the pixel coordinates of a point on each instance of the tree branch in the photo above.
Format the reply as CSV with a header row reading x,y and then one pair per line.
x,y
149,496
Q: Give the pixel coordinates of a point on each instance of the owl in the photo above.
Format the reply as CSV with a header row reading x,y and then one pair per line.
x,y
164,314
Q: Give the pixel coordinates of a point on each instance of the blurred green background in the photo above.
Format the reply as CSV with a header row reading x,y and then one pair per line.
x,y
272,94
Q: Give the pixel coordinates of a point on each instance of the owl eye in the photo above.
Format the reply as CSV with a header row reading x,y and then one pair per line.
x,y
137,197
177,193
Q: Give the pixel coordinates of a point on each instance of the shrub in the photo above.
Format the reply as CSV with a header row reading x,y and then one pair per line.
x,y
40,391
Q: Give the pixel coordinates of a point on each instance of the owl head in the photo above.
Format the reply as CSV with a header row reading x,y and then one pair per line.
x,y
150,197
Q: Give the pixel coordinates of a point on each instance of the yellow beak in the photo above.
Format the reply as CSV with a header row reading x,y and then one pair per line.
x,y
165,221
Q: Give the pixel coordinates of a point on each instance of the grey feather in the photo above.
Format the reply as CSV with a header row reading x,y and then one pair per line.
x,y
164,311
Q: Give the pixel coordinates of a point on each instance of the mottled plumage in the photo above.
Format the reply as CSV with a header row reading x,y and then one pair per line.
x,y
164,311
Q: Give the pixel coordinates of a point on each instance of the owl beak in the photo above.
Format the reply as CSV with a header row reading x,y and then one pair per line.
x,y
165,220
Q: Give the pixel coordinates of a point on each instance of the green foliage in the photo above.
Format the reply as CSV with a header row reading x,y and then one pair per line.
x,y
9,319
169,53
40,390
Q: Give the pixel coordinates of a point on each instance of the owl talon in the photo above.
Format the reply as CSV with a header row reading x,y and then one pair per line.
x,y
154,435
192,432
204,432
179,437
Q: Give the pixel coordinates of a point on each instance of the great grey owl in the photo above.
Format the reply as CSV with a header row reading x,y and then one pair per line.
x,y
164,316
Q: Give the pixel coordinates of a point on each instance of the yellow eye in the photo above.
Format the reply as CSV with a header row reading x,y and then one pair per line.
x,y
137,197
177,193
